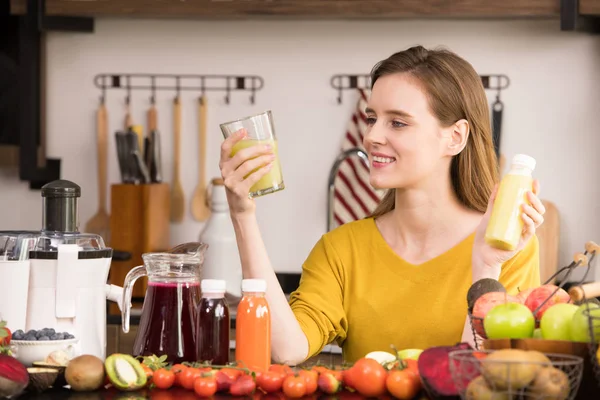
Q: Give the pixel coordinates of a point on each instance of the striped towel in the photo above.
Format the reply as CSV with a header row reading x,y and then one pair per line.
x,y
354,198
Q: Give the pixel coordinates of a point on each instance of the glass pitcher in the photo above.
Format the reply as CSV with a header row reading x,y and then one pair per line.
x,y
169,314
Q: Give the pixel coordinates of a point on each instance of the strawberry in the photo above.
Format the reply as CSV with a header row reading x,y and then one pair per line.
x,y
5,334
243,386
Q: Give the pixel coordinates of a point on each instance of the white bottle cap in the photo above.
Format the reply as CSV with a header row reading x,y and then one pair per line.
x,y
254,285
213,286
524,160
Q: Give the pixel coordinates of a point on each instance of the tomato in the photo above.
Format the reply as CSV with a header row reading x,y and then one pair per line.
x,y
178,370
349,377
311,379
286,369
294,386
205,386
244,385
189,376
5,336
270,381
369,377
403,384
163,378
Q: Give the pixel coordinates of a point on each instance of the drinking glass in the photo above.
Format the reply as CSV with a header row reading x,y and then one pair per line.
x,y
260,131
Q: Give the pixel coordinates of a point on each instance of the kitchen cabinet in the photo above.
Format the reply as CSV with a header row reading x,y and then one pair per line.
x,y
229,9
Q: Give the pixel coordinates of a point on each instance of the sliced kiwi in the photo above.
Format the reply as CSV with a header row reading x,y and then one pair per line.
x,y
41,379
125,372
482,287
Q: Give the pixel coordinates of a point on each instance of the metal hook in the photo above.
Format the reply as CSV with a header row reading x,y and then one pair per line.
x,y
228,89
128,97
253,91
177,86
103,95
202,85
153,91
339,99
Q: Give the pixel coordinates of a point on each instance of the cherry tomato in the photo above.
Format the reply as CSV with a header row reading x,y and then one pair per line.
x,y
270,381
163,378
403,384
225,378
178,370
189,376
369,377
149,373
205,386
311,379
286,369
349,377
244,385
294,386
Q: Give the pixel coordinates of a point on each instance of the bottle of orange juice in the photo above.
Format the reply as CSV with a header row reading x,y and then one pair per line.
x,y
253,327
506,224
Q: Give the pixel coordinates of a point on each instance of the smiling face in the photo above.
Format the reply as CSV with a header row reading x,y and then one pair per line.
x,y
406,144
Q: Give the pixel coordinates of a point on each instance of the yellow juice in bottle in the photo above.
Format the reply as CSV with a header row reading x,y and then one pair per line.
x,y
506,224
273,180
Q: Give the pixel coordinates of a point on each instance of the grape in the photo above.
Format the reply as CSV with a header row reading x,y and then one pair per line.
x,y
18,334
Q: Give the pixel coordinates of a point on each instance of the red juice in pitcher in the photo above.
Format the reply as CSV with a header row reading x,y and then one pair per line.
x,y
168,321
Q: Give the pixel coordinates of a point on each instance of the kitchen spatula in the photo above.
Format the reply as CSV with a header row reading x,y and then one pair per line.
x,y
100,222
177,195
200,210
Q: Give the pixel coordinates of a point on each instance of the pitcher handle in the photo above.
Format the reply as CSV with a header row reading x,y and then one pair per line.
x,y
130,279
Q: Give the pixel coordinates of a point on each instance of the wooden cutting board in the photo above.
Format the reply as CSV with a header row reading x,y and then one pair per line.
x,y
549,235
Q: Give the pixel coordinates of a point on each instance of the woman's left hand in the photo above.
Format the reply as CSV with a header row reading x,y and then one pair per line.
x,y
487,260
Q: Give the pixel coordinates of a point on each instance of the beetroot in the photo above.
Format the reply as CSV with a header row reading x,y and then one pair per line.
x,y
434,368
13,376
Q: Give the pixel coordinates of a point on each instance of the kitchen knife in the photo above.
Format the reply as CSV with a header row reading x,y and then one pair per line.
x,y
121,144
142,175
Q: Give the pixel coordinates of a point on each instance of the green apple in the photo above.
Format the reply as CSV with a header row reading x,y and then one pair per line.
x,y
409,354
580,324
556,321
509,321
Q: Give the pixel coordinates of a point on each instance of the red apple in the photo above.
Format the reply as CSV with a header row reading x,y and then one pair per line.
x,y
522,295
484,304
540,294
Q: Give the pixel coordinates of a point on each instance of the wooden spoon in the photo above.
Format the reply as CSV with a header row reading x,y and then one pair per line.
x,y
100,222
200,210
177,195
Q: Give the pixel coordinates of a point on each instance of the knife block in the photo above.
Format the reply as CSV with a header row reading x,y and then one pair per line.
x,y
139,223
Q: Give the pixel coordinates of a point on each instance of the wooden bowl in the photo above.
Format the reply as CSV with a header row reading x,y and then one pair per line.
x,y
588,381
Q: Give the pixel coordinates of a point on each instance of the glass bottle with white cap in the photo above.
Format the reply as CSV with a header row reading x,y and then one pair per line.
x,y
213,324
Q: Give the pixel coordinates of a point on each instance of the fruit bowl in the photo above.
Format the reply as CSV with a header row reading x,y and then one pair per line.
x,y
28,351
515,374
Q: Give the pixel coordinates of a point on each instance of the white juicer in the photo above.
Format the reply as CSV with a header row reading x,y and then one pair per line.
x,y
68,273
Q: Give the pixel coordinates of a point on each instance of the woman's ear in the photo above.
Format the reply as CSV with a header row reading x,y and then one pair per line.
x,y
458,136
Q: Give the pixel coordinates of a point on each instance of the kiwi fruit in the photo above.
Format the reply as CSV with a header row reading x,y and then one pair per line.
x,y
478,389
85,373
510,369
41,379
125,372
482,287
551,384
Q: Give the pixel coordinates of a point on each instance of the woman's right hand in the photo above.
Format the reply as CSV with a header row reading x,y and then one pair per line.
x,y
242,171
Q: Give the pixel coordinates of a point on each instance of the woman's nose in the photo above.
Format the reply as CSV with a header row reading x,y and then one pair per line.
x,y
375,135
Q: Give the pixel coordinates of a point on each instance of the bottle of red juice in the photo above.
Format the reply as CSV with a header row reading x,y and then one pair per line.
x,y
214,323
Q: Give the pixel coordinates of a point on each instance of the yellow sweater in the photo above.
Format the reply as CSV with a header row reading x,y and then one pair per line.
x,y
357,291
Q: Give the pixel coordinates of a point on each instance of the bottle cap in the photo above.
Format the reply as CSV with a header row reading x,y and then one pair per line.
x,y
254,285
524,160
213,286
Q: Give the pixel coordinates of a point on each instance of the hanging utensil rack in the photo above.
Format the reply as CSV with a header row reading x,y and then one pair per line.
x,y
342,82
177,83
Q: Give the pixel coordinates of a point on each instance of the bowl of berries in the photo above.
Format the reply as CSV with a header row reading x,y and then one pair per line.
x,y
43,345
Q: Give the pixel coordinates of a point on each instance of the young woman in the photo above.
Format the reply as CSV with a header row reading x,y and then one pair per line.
x,y
399,277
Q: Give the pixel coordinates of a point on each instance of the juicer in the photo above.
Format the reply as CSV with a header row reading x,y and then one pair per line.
x,y
62,274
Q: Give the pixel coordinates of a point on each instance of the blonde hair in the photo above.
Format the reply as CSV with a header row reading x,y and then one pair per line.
x,y
455,92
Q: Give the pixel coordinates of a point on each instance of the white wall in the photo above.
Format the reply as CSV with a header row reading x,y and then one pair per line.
x,y
551,108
